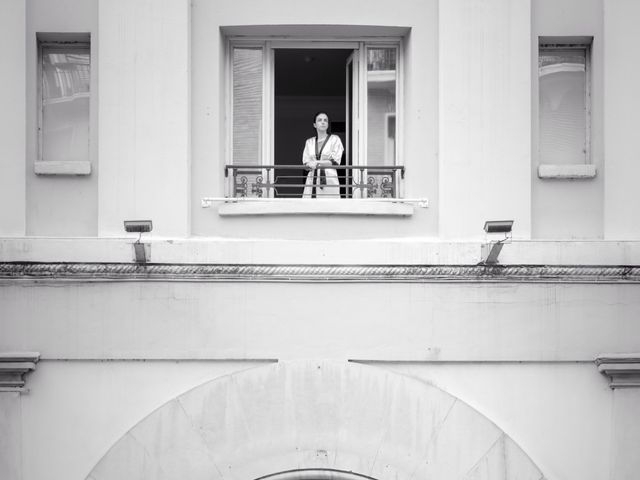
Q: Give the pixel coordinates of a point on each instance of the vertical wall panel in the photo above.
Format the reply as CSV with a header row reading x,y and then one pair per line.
x,y
144,115
10,436
485,115
621,125
60,205
567,208
12,118
625,438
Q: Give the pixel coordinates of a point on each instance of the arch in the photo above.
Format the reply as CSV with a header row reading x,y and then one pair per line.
x,y
344,419
315,474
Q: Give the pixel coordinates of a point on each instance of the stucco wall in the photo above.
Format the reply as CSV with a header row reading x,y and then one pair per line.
x,y
11,438
564,208
626,434
60,205
420,113
453,322
543,407
519,352
463,128
12,118
75,411
485,116
621,80
144,115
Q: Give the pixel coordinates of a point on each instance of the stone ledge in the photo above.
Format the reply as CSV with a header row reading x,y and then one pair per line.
x,y
623,369
575,172
13,367
62,168
316,207
330,251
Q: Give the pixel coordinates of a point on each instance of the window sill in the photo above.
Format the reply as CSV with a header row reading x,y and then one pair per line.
x,y
316,207
62,168
582,171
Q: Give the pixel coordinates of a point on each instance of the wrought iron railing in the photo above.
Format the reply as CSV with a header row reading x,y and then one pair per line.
x,y
292,181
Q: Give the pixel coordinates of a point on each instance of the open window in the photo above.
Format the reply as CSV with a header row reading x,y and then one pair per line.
x,y
276,87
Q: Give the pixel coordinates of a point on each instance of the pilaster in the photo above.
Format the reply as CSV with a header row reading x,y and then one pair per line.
x,y
485,116
12,119
623,371
144,115
13,368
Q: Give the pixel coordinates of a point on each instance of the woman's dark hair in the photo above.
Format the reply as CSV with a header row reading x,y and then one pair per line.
x,y
328,120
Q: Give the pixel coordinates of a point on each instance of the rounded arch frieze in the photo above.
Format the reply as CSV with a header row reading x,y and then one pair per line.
x,y
315,420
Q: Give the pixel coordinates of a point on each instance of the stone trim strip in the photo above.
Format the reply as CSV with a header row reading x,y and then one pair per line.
x,y
321,273
13,367
623,369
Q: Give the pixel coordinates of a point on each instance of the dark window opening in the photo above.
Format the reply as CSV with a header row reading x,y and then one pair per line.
x,y
307,81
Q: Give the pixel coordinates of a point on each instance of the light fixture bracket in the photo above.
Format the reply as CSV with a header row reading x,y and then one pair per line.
x,y
490,251
141,251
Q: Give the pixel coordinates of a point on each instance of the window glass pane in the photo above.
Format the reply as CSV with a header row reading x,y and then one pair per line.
x,y
381,106
563,109
247,105
66,76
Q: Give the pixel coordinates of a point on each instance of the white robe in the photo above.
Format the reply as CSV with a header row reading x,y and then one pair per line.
x,y
332,151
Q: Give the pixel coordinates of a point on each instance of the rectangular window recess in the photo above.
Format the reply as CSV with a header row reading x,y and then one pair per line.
x,y
583,171
62,168
64,97
564,106
273,90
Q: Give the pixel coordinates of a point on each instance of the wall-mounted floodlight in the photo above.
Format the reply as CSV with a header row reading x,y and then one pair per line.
x,y
498,226
490,251
138,226
142,251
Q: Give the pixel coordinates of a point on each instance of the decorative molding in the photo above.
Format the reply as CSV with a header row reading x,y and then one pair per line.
x,y
13,367
88,272
623,369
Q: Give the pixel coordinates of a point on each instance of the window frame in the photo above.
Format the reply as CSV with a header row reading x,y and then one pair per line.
x,y
586,168
249,44
269,44
64,41
364,97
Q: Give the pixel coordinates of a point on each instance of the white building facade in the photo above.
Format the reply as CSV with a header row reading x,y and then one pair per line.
x,y
264,335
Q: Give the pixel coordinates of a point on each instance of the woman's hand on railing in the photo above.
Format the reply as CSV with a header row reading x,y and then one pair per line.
x,y
312,164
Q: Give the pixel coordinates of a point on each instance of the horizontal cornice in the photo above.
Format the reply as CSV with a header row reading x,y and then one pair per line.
x,y
320,273
13,368
623,369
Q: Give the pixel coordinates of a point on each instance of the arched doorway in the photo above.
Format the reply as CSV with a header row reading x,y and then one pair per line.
x,y
315,420
315,474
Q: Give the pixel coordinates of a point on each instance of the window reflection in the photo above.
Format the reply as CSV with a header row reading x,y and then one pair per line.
x,y
381,105
563,105
66,74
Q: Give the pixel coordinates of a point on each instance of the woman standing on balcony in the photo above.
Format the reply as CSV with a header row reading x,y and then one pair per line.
x,y
320,153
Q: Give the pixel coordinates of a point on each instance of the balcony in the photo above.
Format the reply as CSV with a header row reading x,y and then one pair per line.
x,y
288,182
